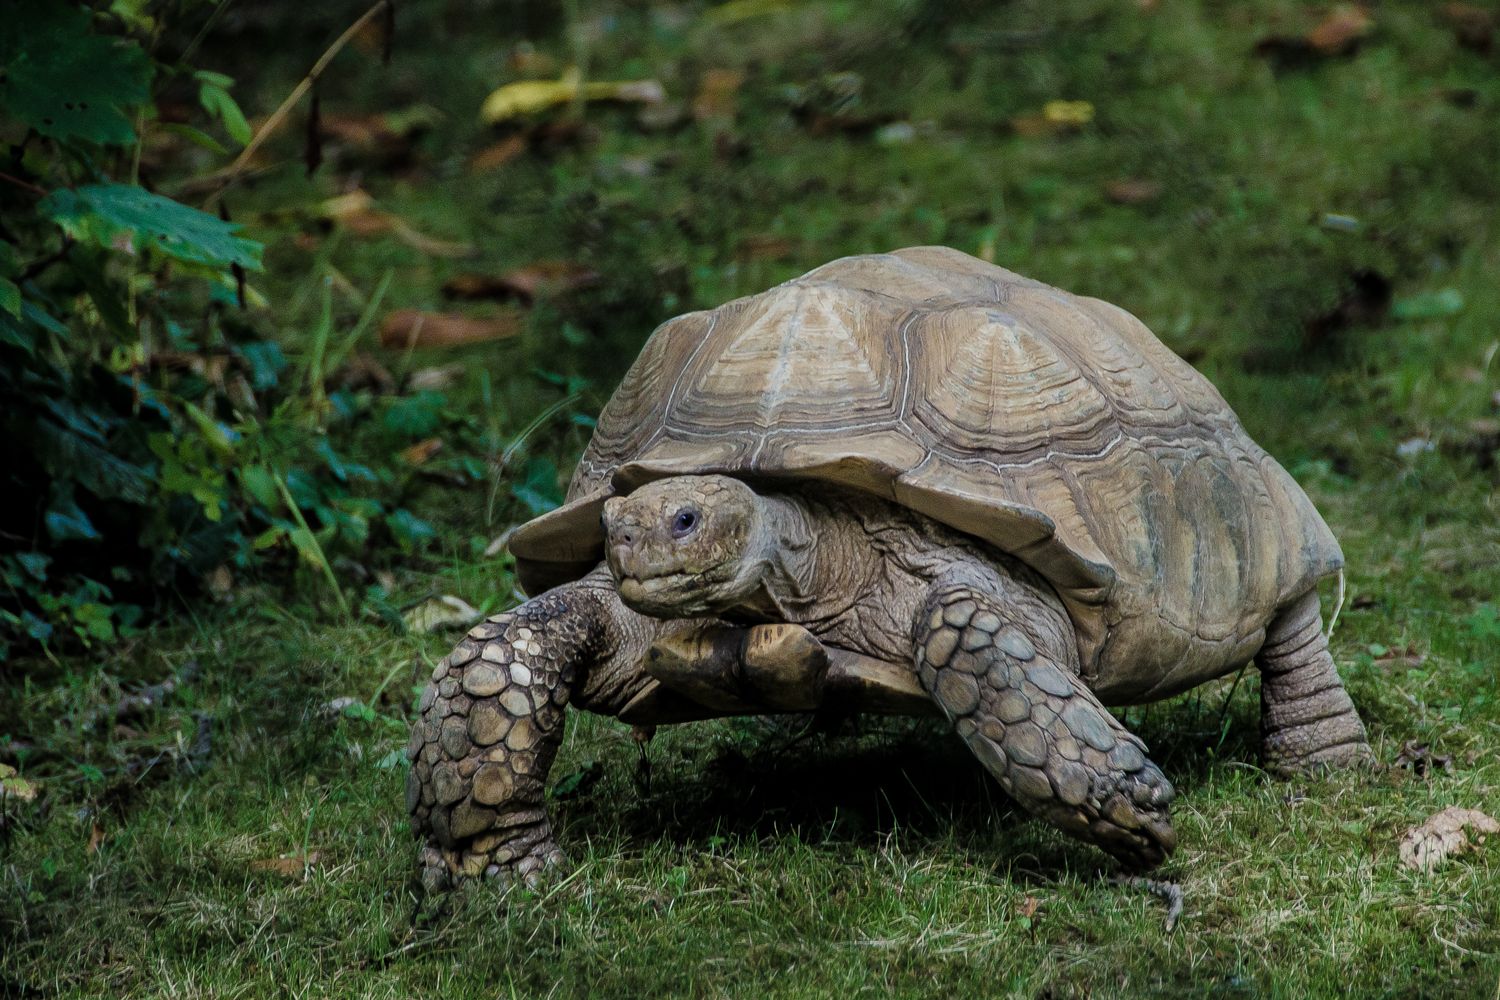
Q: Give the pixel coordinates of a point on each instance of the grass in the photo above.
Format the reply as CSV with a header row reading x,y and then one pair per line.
x,y
746,861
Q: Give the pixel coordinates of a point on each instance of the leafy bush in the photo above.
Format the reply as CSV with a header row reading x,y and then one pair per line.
x,y
150,437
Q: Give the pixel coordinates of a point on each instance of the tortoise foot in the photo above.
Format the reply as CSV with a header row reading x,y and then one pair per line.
x,y
523,855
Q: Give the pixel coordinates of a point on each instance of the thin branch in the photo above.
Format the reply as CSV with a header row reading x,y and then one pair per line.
x,y
24,185
231,173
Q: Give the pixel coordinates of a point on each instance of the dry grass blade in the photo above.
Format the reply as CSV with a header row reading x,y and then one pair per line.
x,y
409,328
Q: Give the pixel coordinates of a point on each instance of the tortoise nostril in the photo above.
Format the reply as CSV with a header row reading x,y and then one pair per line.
x,y
627,537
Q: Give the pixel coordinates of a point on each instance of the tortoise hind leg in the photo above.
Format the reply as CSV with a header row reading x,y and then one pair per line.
x,y
1306,717
1003,668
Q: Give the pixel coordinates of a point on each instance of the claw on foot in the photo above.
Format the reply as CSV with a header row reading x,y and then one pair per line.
x,y
503,857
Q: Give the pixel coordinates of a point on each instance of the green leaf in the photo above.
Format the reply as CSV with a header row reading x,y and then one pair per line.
x,y
65,82
66,522
217,102
10,298
258,481
416,416
409,529
132,219
195,136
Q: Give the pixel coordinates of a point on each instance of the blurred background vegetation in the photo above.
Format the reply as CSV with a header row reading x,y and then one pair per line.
x,y
303,306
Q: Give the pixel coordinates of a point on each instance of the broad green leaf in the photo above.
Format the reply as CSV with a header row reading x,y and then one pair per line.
x,y
258,481
65,82
132,219
409,529
217,102
66,522
195,136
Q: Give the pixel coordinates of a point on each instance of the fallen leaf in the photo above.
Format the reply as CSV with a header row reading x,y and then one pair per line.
x,y
1443,835
336,706
438,613
220,582
1027,907
13,786
356,212
1340,31
96,839
1132,190
1420,759
527,97
421,452
498,155
1055,118
765,246
288,867
408,328
1474,27
543,279
1414,446
1338,34
716,94
1406,656
363,371
435,379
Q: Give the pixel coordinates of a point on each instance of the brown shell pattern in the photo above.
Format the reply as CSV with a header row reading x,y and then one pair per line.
x,y
1054,426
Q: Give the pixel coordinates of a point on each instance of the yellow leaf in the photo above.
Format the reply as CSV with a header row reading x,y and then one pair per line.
x,y
13,786
1068,113
527,97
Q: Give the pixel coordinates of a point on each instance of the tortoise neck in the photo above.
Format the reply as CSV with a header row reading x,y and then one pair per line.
x,y
787,553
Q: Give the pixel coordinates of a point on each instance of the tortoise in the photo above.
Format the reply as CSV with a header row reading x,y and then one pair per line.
x,y
904,483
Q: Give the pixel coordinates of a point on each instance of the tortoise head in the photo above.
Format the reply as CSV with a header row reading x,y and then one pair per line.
x,y
686,546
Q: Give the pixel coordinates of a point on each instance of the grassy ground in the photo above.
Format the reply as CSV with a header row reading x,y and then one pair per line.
x,y
746,861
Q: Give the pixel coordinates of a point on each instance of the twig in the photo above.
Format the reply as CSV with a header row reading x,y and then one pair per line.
x,y
132,705
1168,892
231,173
23,185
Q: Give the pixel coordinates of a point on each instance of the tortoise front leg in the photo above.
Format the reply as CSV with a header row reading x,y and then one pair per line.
x,y
1002,666
492,720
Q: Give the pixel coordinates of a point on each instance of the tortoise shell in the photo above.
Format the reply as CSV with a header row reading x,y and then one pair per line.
x,y
1053,426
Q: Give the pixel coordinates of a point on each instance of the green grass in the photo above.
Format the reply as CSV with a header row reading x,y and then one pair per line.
x,y
878,862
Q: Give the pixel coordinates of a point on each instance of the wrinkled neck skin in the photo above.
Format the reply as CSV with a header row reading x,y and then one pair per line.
x,y
855,570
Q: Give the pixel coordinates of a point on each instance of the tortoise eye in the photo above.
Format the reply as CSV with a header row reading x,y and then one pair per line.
x,y
684,523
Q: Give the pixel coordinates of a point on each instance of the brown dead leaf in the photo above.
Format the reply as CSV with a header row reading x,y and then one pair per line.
x,y
356,212
543,279
1420,759
498,155
407,328
363,371
438,613
1406,656
1027,907
1341,30
1132,190
220,582
765,246
1474,27
716,94
1338,34
288,866
422,451
96,839
1443,836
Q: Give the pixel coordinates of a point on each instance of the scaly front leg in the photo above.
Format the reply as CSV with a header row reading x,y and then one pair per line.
x,y
492,720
